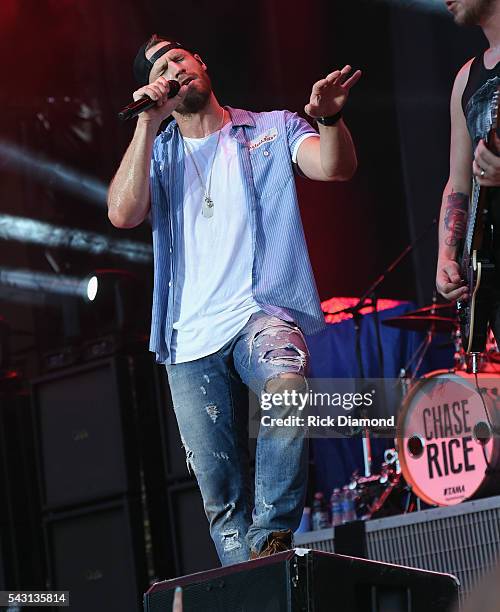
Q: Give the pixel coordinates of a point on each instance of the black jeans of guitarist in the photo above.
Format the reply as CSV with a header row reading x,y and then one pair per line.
x,y
495,303
495,308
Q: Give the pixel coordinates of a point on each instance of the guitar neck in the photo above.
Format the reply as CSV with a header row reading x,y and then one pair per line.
x,y
479,196
476,195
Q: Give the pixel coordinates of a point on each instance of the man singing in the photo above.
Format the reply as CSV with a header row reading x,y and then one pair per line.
x,y
233,286
472,93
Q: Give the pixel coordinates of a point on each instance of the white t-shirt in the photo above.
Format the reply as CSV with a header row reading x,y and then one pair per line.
x,y
213,299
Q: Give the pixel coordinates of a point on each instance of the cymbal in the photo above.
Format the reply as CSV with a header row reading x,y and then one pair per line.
x,y
433,308
422,323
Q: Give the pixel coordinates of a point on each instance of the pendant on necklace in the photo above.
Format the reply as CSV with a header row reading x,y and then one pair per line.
x,y
207,210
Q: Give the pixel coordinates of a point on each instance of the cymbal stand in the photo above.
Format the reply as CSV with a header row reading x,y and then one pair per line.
x,y
369,299
420,353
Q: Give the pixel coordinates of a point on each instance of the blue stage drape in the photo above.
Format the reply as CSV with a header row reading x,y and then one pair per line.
x,y
333,355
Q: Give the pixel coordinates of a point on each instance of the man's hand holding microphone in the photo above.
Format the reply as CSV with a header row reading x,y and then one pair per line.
x,y
155,101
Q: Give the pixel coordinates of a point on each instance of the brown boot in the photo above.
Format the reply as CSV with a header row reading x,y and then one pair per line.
x,y
277,541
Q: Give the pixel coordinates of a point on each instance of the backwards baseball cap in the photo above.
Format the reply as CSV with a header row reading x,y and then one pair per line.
x,y
142,65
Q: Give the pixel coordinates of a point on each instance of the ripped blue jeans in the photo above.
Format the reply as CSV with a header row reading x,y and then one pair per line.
x,y
210,397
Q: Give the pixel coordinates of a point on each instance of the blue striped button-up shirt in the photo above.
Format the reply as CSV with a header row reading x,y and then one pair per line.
x,y
282,277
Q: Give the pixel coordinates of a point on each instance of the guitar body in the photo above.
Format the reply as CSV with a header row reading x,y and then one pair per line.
x,y
474,313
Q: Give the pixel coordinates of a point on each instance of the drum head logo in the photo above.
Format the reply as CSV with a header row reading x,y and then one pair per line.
x,y
448,443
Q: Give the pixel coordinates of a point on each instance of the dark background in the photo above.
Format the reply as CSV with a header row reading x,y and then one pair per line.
x,y
60,54
66,71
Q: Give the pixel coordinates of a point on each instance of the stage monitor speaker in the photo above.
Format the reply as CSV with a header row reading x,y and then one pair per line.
x,y
304,580
99,556
86,429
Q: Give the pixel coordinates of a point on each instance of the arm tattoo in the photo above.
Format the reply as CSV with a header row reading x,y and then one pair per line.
x,y
455,218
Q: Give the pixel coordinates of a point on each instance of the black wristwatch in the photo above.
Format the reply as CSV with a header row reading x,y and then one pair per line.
x,y
332,120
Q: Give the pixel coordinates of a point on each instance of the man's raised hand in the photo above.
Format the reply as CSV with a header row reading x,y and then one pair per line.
x,y
329,95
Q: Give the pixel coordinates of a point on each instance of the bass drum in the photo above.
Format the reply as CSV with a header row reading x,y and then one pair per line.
x,y
447,447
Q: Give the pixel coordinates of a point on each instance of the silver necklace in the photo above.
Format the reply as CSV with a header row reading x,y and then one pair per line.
x,y
207,207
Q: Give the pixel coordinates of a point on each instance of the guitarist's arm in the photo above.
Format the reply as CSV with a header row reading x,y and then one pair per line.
x,y
455,202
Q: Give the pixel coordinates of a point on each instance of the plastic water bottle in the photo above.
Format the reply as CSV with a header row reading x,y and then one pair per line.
x,y
319,516
305,523
348,505
336,507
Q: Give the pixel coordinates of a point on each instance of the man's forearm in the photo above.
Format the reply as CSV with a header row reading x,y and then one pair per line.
x,y
452,222
128,197
338,155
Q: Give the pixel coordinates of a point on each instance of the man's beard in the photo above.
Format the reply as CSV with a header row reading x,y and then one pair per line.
x,y
195,99
475,14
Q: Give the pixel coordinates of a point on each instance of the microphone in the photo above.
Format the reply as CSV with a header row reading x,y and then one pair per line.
x,y
145,103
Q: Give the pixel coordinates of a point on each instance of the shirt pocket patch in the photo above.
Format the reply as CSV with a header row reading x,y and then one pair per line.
x,y
271,167
265,138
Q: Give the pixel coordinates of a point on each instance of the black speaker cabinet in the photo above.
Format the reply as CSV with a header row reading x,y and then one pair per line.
x,y
3,585
189,529
305,581
173,455
86,428
99,555
21,541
